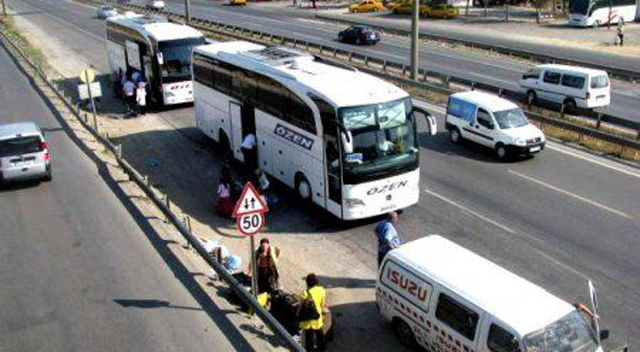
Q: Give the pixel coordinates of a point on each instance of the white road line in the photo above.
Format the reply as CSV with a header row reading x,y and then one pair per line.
x,y
593,160
559,190
472,212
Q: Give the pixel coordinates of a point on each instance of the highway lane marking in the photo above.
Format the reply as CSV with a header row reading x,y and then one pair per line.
x,y
507,229
472,212
570,194
593,160
58,19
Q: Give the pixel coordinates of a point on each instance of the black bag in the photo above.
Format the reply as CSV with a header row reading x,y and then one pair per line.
x,y
284,307
308,309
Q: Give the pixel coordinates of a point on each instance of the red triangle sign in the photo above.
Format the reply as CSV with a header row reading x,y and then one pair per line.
x,y
249,202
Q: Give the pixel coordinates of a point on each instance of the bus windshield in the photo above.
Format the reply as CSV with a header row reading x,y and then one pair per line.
x,y
176,56
571,334
381,140
580,7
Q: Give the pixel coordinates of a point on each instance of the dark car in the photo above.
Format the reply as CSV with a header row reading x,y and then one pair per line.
x,y
359,35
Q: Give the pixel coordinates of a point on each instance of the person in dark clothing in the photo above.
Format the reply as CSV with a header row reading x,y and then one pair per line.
x,y
267,266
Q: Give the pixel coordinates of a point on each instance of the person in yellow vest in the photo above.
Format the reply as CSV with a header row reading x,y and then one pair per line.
x,y
312,334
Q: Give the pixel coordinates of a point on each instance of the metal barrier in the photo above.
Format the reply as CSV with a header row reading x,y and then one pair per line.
x,y
163,204
386,66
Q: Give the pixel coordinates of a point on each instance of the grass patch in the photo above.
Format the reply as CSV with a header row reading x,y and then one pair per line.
x,y
7,26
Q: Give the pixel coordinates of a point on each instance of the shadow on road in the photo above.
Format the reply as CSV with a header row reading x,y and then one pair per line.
x,y
151,303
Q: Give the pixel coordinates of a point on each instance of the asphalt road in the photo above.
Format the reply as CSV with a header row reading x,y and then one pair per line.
x,y
78,272
497,71
557,219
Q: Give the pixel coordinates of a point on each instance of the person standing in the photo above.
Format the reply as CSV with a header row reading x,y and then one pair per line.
x,y
128,88
267,267
248,147
621,33
141,98
224,202
387,235
312,334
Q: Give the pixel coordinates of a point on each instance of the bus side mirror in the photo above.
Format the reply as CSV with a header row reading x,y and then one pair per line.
x,y
160,59
347,142
604,334
431,121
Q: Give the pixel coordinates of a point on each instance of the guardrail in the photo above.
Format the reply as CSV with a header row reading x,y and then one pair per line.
x,y
443,81
163,204
533,56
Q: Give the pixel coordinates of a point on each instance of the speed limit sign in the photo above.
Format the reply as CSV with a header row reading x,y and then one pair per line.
x,y
250,224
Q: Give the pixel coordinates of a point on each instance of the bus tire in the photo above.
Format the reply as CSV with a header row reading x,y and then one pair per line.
x,y
404,333
303,188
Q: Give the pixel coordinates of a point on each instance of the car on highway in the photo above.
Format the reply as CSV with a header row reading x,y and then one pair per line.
x,y
406,7
238,2
23,153
367,6
569,85
359,35
156,4
442,11
392,5
105,11
493,122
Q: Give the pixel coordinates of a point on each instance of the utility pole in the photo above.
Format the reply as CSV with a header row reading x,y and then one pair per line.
x,y
4,10
415,28
187,10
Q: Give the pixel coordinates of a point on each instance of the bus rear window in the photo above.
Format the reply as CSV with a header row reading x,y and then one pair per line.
x,y
599,82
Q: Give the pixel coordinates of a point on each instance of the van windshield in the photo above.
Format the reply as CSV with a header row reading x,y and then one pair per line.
x,y
599,82
511,118
569,334
19,146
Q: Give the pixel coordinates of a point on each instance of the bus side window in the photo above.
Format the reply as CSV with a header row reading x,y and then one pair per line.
x,y
500,340
327,115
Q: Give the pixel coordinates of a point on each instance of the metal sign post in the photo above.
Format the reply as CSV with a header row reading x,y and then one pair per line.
x,y
249,214
87,76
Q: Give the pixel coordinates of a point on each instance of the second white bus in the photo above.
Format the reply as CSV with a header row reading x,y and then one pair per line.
x,y
343,139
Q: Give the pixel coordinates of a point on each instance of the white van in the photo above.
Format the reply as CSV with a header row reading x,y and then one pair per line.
x,y
493,122
446,298
569,85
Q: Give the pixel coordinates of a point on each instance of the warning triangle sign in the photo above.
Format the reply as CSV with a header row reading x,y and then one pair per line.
x,y
249,202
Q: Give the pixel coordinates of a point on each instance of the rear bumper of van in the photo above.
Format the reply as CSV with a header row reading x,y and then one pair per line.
x,y
21,174
526,150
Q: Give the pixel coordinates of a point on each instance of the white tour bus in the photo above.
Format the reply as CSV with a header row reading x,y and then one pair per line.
x,y
446,298
159,50
587,13
343,139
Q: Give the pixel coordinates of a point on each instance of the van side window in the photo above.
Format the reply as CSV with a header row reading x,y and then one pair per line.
x,y
573,81
532,74
461,109
500,340
457,316
552,77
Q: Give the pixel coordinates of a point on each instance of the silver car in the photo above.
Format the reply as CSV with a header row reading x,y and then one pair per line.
x,y
23,153
105,11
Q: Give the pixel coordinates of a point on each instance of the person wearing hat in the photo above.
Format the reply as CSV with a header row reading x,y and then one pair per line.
x,y
267,266
312,334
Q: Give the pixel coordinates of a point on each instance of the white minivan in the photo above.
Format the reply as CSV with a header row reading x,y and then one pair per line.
x,y
493,122
444,297
569,85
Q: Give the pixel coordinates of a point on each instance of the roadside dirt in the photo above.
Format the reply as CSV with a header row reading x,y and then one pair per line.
x,y
182,163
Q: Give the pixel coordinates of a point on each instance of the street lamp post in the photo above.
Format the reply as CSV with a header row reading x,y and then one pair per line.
x,y
415,24
187,10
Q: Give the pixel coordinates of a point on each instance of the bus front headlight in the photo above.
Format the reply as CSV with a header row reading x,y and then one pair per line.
x,y
353,203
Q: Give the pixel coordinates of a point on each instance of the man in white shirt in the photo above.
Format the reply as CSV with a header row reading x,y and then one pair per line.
x,y
249,146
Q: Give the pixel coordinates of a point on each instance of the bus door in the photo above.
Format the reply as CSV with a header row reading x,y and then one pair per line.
x,y
333,194
235,115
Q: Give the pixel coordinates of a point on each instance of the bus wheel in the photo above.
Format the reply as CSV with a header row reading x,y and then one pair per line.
x,y
404,332
303,188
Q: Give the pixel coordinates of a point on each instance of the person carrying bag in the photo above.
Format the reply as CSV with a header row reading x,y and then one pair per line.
x,y
310,315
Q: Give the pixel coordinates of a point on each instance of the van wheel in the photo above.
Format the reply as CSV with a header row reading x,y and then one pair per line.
x,y
455,136
569,105
224,144
48,176
303,188
404,333
531,96
596,24
501,151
